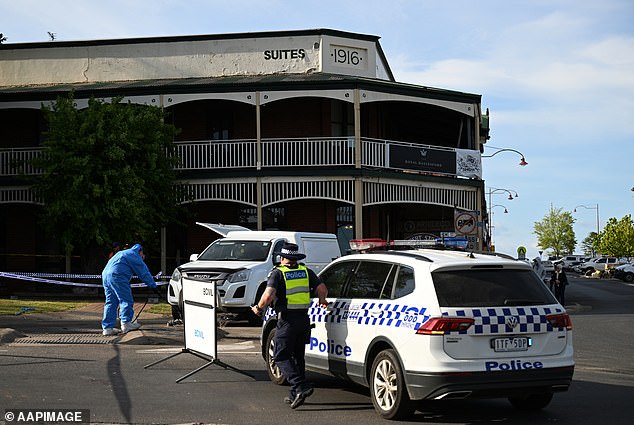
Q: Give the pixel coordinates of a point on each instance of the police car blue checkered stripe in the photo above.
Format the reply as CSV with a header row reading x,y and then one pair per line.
x,y
487,320
494,320
370,314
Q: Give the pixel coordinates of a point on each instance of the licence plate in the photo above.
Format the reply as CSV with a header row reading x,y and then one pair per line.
x,y
520,343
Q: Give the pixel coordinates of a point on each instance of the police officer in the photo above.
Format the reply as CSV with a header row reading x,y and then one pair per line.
x,y
289,286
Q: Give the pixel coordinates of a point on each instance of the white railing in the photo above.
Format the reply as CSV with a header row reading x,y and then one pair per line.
x,y
242,154
307,152
214,154
14,161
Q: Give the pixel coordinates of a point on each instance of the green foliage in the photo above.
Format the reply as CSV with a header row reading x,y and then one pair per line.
x,y
107,173
617,238
589,244
555,232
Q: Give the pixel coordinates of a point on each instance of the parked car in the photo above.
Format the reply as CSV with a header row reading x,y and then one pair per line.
x,y
429,324
240,262
569,261
625,273
548,266
598,263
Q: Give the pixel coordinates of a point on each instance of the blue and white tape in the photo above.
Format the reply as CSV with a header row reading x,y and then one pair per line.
x,y
52,278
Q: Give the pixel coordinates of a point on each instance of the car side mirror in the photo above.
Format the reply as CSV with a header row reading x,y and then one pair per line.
x,y
193,257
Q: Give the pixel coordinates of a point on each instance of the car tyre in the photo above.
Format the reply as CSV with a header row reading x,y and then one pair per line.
x,y
532,401
629,277
274,372
387,387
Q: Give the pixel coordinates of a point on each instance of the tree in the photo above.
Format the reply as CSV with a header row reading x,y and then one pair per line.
x,y
555,232
2,38
108,175
589,244
617,237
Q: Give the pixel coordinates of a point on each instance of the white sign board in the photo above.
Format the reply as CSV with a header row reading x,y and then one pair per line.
x,y
199,303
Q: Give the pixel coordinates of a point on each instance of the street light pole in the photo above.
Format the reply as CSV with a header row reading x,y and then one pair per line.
x,y
491,221
491,191
596,207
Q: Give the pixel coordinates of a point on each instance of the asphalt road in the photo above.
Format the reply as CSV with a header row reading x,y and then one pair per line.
x,y
111,381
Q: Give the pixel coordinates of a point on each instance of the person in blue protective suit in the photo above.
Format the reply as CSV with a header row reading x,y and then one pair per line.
x,y
289,285
116,284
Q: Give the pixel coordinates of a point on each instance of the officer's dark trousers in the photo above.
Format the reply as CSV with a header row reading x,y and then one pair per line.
x,y
293,330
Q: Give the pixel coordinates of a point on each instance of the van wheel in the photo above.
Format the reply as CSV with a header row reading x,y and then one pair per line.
x,y
532,401
387,387
275,374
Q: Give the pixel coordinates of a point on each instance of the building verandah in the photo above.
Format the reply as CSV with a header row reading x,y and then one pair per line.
x,y
307,151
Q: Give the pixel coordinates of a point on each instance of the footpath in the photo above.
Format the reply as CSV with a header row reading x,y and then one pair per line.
x,y
83,326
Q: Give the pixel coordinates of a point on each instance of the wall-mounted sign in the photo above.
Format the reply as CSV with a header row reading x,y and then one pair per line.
x,y
466,222
348,57
422,159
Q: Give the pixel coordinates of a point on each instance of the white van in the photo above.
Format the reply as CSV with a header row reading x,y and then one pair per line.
x,y
240,262
569,261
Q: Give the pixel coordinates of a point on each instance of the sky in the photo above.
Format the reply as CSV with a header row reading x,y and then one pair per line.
x,y
556,75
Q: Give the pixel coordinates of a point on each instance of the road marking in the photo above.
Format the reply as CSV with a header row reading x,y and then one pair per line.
x,y
245,347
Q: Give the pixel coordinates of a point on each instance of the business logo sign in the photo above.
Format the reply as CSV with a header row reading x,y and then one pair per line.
x,y
422,159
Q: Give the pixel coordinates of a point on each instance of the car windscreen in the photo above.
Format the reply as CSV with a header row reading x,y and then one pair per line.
x,y
491,287
233,250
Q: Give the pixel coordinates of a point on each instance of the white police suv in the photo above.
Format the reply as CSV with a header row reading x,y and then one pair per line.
x,y
430,324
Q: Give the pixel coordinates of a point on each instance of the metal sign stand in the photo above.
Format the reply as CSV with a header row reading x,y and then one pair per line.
x,y
199,300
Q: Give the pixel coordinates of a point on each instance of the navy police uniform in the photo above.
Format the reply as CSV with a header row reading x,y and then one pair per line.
x,y
293,285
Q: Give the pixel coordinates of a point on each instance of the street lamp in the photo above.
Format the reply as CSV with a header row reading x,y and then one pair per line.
x,y
512,193
506,211
522,160
596,207
493,190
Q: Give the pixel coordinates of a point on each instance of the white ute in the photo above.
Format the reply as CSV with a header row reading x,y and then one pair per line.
x,y
240,262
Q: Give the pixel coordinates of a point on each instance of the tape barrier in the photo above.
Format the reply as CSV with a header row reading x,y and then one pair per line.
x,y
51,278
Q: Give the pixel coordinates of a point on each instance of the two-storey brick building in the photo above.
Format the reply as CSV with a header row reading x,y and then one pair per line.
x,y
301,130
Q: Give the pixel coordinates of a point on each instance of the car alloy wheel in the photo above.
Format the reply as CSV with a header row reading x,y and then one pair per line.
x,y
274,372
387,387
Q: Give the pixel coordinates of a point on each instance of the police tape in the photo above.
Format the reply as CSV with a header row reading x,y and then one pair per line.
x,y
49,278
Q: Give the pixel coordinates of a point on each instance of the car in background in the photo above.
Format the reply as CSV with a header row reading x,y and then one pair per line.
x,y
549,266
432,324
625,273
597,264
568,262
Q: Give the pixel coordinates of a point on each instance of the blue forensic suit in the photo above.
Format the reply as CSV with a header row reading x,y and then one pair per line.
x,y
116,284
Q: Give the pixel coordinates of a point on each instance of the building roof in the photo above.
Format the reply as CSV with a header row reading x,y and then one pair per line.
x,y
186,38
281,82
